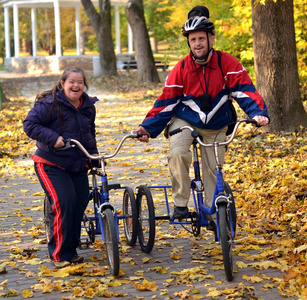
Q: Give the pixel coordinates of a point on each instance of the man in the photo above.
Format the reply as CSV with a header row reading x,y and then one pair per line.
x,y
196,93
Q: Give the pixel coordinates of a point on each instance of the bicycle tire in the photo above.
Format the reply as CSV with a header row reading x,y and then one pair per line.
x,y
130,216
195,223
88,225
47,208
226,241
146,219
232,207
109,235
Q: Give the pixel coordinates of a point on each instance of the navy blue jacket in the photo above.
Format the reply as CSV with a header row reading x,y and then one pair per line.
x,y
42,124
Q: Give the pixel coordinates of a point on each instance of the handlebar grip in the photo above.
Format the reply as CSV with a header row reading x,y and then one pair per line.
x,y
140,135
67,145
252,121
175,131
136,135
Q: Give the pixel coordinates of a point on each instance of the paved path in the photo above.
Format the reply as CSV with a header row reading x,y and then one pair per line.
x,y
180,266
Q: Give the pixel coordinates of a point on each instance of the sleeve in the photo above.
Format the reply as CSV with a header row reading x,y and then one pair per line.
x,y
93,133
165,106
36,125
242,88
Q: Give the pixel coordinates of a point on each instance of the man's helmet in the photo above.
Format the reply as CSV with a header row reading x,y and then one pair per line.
x,y
197,24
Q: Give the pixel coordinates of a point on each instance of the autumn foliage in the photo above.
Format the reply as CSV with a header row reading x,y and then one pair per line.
x,y
268,175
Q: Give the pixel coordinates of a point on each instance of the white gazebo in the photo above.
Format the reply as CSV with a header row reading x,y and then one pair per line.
x,y
20,64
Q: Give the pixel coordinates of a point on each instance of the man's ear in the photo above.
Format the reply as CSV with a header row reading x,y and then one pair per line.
x,y
212,39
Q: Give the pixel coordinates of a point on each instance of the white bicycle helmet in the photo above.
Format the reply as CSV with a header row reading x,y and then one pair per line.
x,y
197,24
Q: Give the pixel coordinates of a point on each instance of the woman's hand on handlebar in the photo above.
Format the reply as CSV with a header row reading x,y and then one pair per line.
x,y
144,134
59,142
95,162
261,121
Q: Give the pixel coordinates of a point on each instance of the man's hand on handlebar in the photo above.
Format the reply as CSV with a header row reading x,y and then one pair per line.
x,y
144,134
261,121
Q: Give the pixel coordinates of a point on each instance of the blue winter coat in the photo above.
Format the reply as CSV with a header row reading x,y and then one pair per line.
x,y
43,125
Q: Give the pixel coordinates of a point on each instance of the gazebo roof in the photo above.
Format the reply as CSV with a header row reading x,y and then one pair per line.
x,y
49,3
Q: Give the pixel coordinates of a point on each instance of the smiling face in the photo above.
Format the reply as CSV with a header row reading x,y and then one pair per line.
x,y
198,43
73,86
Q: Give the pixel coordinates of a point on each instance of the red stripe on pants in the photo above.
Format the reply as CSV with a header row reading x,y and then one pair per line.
x,y
57,224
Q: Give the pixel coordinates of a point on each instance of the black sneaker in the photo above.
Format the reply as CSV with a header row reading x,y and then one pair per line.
x,y
77,259
180,212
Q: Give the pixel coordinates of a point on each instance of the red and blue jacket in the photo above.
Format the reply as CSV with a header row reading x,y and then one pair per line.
x,y
189,80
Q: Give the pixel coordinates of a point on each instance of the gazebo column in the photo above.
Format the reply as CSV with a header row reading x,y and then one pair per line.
x,y
117,30
33,21
57,28
16,30
77,24
7,32
130,40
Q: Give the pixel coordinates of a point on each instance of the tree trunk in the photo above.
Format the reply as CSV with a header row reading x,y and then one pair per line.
x,y
102,25
276,64
147,71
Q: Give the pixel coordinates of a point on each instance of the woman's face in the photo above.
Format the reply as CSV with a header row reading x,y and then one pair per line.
x,y
73,86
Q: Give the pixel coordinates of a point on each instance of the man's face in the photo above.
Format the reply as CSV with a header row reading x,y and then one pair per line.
x,y
198,43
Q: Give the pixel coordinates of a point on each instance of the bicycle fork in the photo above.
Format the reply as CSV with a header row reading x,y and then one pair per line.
x,y
222,199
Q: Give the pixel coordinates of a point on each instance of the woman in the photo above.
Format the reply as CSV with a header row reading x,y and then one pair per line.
x,y
63,112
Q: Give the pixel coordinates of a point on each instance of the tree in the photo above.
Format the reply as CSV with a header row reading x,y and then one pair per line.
x,y
147,71
276,64
102,25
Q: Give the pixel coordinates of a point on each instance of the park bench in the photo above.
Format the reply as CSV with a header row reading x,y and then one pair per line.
x,y
132,64
125,62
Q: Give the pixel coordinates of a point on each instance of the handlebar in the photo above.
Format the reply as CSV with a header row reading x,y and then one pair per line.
x,y
70,143
195,134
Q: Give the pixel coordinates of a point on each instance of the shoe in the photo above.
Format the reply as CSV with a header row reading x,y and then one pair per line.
x,y
61,264
77,259
180,212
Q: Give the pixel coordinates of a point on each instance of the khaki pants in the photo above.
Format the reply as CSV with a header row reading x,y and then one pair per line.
x,y
180,159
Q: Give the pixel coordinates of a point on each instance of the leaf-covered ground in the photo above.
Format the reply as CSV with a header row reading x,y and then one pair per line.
x,y
267,172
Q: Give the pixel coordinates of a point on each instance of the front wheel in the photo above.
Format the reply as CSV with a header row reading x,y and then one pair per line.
x,y
146,218
232,208
226,241
130,216
109,235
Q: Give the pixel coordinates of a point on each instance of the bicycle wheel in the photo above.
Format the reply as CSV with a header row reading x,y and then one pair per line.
x,y
130,216
88,226
195,223
47,208
226,241
232,207
110,239
146,218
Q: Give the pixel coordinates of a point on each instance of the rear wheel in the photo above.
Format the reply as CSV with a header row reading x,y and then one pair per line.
x,y
109,235
47,209
146,219
226,241
130,216
88,226
195,223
